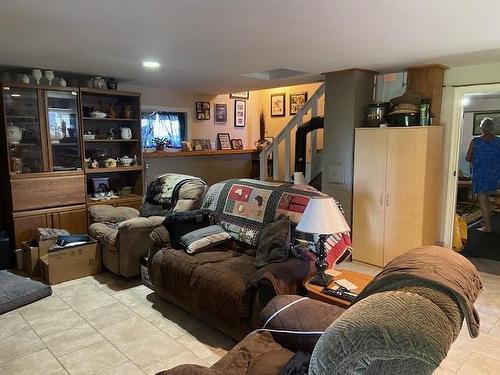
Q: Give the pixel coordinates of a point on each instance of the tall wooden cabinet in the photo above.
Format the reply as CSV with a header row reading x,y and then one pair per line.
x,y
397,178
44,175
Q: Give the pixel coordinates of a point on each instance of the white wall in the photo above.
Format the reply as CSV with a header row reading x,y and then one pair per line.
x,y
185,101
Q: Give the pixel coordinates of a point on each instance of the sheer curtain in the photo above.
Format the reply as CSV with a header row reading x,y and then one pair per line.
x,y
162,125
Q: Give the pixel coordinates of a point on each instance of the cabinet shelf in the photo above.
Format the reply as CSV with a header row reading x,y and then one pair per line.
x,y
108,119
113,201
113,169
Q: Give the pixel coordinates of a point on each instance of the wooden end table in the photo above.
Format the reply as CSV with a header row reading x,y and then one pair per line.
x,y
358,278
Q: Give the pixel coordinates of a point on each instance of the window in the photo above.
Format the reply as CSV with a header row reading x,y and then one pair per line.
x,y
159,124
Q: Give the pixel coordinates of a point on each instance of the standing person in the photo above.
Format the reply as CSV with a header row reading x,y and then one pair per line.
x,y
484,154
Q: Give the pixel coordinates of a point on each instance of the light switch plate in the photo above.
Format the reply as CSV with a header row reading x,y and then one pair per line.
x,y
336,174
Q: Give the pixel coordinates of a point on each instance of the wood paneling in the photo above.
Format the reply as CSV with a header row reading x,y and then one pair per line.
x,y
33,193
428,80
71,218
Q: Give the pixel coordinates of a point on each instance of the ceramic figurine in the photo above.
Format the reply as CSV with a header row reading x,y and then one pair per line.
x,y
98,82
127,111
112,84
94,164
62,82
25,79
37,75
112,134
110,163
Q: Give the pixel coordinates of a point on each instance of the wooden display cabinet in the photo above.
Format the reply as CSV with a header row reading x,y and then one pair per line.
x,y
106,138
42,160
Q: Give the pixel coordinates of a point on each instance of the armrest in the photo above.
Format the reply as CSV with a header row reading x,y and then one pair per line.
x,y
105,212
160,238
140,224
301,315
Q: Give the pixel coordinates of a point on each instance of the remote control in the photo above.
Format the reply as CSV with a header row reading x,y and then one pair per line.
x,y
339,294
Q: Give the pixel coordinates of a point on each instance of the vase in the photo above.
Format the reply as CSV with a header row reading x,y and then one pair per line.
x,y
62,82
37,75
49,76
25,79
112,84
14,134
125,133
160,147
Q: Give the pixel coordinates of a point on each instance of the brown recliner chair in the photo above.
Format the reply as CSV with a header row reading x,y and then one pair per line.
x,y
403,322
125,235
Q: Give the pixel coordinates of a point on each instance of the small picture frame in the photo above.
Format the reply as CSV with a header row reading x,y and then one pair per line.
x,y
297,101
240,95
240,113
220,113
197,145
278,105
202,111
236,144
224,141
207,144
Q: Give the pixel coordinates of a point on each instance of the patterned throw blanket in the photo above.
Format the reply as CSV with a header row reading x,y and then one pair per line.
x,y
164,189
244,206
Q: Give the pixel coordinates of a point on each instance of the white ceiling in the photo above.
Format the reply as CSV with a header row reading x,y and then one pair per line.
x,y
207,45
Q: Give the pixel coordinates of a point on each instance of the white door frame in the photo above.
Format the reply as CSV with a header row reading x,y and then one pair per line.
x,y
456,133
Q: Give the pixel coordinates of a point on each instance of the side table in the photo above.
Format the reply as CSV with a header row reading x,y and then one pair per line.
x,y
359,279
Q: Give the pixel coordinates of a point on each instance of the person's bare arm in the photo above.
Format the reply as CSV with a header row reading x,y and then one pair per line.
x,y
468,157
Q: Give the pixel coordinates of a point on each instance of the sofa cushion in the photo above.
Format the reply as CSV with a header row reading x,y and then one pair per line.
x,y
274,242
203,239
215,284
180,223
105,212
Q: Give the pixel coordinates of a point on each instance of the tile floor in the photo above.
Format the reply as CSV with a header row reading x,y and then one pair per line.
x,y
108,325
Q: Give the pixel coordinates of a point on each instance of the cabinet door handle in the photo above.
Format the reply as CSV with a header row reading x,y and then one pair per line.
x,y
381,199
387,200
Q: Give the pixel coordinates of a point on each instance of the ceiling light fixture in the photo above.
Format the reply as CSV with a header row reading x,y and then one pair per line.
x,y
151,64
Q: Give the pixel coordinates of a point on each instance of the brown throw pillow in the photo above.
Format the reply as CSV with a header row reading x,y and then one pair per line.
x,y
274,242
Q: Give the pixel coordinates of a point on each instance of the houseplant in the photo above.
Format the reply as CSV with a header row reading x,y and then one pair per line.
x,y
160,143
262,143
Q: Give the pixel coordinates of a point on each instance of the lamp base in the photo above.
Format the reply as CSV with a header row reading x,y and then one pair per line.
x,y
321,280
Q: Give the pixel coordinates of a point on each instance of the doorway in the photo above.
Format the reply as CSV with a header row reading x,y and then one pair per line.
x,y
471,106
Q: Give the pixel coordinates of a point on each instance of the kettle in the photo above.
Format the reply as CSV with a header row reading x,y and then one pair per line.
x,y
125,133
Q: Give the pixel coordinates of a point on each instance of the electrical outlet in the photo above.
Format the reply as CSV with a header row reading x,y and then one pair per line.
x,y
335,174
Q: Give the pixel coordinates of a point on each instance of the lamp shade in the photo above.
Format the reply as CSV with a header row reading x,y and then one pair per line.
x,y
322,216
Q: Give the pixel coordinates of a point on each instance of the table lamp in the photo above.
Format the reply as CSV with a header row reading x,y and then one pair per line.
x,y
322,217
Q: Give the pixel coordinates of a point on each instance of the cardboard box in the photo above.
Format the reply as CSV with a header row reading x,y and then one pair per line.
x,y
32,250
71,263
30,257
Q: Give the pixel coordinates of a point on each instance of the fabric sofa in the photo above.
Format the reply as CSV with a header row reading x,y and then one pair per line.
x,y
404,322
125,235
223,287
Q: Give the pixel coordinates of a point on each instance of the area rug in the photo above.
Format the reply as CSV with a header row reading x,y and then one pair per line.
x,y
484,245
17,291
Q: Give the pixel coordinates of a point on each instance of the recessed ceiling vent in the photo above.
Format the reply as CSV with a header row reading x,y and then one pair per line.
x,y
273,74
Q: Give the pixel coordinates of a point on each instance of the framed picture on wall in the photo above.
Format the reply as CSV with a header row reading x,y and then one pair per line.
x,y
220,113
278,105
297,101
202,111
224,141
479,116
240,113
240,95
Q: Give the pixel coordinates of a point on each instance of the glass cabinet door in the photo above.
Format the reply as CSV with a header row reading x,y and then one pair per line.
x,y
62,122
23,130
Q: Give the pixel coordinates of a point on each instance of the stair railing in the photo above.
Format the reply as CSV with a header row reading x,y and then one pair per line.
x,y
285,136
